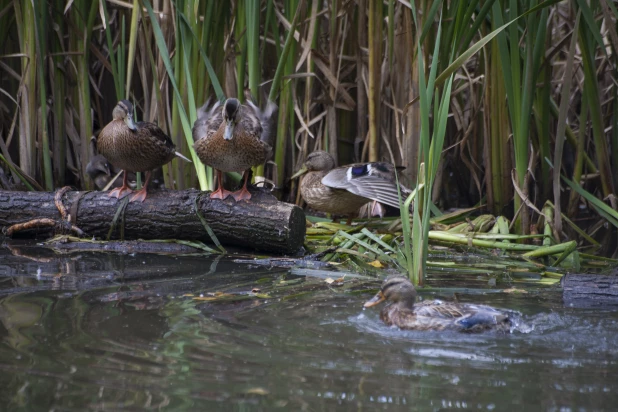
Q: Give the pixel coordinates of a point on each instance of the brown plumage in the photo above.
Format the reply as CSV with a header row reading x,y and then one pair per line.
x,y
102,172
434,315
134,147
343,190
233,138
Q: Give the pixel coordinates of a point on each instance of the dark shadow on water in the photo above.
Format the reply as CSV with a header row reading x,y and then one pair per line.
x,y
101,331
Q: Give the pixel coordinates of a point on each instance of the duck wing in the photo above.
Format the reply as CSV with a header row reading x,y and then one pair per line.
x,y
256,119
206,108
423,317
259,124
375,181
153,131
208,121
482,319
439,309
268,118
463,317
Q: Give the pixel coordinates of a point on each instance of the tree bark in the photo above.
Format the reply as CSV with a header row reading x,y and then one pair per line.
x,y
580,290
263,223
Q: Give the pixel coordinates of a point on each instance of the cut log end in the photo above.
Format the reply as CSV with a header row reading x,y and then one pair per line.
x,y
265,223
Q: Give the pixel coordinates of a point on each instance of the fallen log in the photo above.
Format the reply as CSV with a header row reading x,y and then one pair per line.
x,y
582,290
263,223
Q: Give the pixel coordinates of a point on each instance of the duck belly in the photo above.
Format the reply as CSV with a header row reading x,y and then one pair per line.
x,y
138,163
335,201
131,152
235,155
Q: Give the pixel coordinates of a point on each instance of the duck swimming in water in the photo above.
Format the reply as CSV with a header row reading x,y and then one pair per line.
x,y
403,312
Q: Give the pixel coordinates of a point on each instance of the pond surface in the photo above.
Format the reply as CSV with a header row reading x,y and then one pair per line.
x,y
101,331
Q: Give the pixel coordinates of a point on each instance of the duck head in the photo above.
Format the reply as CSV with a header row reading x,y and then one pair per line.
x,y
316,161
396,289
97,165
231,110
124,111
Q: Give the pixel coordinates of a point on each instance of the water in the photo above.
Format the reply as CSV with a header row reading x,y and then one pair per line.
x,y
145,332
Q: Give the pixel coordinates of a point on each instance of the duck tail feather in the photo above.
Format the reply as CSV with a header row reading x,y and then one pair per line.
x,y
183,157
268,118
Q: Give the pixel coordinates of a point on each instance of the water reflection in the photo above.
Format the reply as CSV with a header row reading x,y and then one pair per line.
x,y
97,331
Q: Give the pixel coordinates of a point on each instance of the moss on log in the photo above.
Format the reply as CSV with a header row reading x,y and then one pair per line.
x,y
263,223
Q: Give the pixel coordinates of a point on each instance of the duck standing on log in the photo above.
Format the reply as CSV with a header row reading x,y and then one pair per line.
x,y
435,315
233,138
343,190
134,147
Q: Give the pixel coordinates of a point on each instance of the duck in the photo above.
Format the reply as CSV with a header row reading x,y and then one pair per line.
x,y
343,190
436,315
134,147
233,137
99,170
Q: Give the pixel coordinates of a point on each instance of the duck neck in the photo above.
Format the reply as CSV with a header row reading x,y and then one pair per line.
x,y
407,304
314,176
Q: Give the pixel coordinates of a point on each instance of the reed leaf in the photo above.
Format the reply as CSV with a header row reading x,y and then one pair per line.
x,y
135,14
41,51
605,211
284,67
591,89
562,120
185,121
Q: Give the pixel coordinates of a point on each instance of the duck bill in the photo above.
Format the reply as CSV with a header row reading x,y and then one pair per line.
x,y
377,299
301,172
130,123
229,131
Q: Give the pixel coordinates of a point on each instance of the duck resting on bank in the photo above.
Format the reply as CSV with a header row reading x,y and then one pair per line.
x,y
134,147
435,315
234,137
343,190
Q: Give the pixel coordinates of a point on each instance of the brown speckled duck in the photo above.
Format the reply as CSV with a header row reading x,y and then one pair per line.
x,y
343,190
233,137
435,315
134,147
